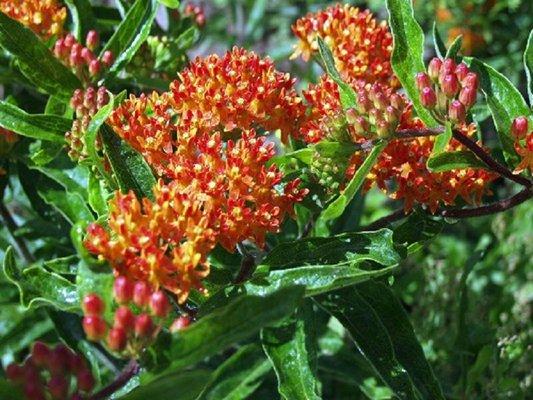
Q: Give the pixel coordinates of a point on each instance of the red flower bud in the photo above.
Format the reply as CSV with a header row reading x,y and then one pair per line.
x,y
85,380
457,112
92,40
117,339
93,305
40,353
434,68
519,127
14,373
159,304
422,80
529,143
59,48
124,318
95,328
107,58
102,97
87,55
34,390
428,97
76,396
123,290
69,41
94,67
180,323
450,85
363,102
77,99
144,326
468,96
58,387
59,359
461,71
470,80
141,294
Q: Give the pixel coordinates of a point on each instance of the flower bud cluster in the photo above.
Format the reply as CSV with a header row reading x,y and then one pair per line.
x,y
523,143
141,314
7,140
52,373
85,103
81,60
448,89
327,170
196,13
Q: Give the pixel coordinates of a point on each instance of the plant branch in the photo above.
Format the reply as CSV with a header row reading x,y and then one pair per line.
x,y
386,220
489,161
19,244
129,371
413,133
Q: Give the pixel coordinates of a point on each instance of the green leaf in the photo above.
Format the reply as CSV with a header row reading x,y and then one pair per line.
x,y
83,19
44,152
181,386
130,169
131,33
408,52
238,320
97,195
528,66
418,228
375,246
36,61
441,141
440,47
454,160
337,207
71,205
98,280
407,348
9,391
239,376
370,336
304,155
455,47
505,103
170,3
37,126
69,179
40,287
291,350
347,94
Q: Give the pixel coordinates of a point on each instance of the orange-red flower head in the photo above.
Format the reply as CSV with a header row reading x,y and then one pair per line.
x,y
360,44
44,17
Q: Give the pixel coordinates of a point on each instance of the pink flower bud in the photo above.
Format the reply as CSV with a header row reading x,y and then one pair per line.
x,y
77,99
75,59
428,97
85,380
450,85
141,294
461,70
102,97
92,40
122,289
94,67
144,326
58,387
107,58
382,129
397,101
468,96
361,126
59,48
87,55
351,115
124,318
457,112
180,323
422,80
69,41
447,68
117,339
470,80
519,127
434,68
363,102
159,304
391,116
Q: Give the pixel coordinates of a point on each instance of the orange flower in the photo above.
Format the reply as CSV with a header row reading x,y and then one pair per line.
x,y
237,91
44,17
361,45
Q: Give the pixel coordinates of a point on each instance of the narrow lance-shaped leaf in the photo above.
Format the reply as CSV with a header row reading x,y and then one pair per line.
x,y
440,48
347,94
528,65
130,169
131,33
36,126
291,347
441,141
370,336
238,320
505,103
447,161
408,52
337,207
36,61
406,346
455,47
39,287
239,376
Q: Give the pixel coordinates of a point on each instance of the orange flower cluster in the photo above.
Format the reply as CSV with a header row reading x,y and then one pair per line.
x,y
401,170
44,17
361,45
216,186
523,143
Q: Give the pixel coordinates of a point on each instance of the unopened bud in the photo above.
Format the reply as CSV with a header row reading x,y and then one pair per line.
x,y
159,304
450,85
92,40
434,68
58,387
70,40
141,294
361,126
428,97
382,129
85,380
180,323
95,328
93,305
94,67
59,48
124,318
470,80
144,326
422,80
117,339
122,290
519,127
397,101
461,71
87,55
40,353
363,102
457,112
107,58
468,96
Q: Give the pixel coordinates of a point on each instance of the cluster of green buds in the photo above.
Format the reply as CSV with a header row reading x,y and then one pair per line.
x,y
85,103
378,112
52,373
448,89
139,317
